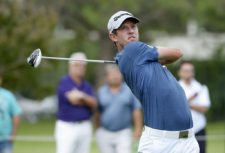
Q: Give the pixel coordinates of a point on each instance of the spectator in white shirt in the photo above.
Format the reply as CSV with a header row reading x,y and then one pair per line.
x,y
198,98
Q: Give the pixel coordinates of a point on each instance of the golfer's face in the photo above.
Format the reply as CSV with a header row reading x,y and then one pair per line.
x,y
186,71
114,77
127,32
77,69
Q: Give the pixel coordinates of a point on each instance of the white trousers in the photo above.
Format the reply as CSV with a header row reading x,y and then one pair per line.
x,y
151,143
73,137
114,142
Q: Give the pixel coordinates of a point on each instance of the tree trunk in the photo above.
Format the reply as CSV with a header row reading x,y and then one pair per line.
x,y
107,52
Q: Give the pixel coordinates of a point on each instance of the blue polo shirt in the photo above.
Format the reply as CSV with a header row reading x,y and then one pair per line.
x,y
163,100
67,111
116,109
8,109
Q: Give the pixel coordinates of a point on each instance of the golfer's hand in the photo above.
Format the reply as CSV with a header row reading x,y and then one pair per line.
x,y
192,97
75,97
137,134
12,138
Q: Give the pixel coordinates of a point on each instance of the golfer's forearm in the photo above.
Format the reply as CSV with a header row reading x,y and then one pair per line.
x,y
16,121
97,119
200,109
89,101
72,100
168,55
137,119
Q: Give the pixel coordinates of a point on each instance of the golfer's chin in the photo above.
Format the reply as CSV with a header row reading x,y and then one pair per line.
x,y
129,40
132,39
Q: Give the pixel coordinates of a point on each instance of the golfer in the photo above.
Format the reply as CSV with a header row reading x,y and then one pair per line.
x,y
167,118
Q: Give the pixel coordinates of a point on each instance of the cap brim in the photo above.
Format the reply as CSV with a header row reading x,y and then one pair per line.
x,y
134,19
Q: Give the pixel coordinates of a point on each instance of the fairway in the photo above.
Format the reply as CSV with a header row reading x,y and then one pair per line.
x,y
38,138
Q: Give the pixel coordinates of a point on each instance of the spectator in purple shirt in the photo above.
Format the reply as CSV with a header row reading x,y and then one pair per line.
x,y
76,101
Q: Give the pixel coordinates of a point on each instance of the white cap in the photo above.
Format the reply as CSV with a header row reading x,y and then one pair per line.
x,y
118,18
78,56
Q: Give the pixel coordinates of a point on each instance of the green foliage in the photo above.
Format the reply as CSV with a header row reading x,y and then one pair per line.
x,y
23,29
212,74
210,15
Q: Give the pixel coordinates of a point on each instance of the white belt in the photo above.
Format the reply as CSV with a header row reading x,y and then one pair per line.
x,y
168,134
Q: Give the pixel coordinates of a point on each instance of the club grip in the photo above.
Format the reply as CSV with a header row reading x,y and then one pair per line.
x,y
110,62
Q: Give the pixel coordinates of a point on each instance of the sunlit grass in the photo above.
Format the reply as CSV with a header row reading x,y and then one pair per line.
x,y
46,128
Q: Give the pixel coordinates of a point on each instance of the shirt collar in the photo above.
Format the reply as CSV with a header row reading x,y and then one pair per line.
x,y
118,55
77,85
120,90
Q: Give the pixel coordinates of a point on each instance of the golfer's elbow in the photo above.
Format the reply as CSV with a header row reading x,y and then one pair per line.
x,y
169,55
177,53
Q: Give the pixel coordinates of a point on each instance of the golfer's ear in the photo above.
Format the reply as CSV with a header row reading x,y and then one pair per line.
x,y
112,36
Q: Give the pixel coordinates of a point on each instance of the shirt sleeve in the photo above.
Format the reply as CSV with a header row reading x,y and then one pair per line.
x,y
99,96
204,97
14,107
62,89
90,90
141,53
62,86
135,103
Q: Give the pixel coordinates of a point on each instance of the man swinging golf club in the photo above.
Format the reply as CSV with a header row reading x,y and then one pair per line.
x,y
167,118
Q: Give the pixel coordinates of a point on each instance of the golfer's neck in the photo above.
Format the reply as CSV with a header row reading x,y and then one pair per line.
x,y
119,47
115,88
77,79
187,81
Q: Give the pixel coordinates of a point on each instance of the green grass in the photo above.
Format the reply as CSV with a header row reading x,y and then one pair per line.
x,y
46,127
216,146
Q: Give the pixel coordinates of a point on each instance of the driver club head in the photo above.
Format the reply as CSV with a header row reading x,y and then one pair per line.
x,y
35,58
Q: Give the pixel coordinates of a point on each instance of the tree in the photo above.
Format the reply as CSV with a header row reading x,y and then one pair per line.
x,y
210,15
24,28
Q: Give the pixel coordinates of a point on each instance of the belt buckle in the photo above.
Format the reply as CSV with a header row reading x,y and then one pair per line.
x,y
183,134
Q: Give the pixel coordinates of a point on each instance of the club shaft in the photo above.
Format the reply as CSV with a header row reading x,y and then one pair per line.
x,y
71,59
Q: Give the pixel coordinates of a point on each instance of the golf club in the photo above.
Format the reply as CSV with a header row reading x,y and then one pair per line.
x,y
35,59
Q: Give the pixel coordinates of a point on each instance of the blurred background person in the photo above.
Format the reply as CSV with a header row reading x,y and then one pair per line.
x,y
198,98
76,102
117,109
9,119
